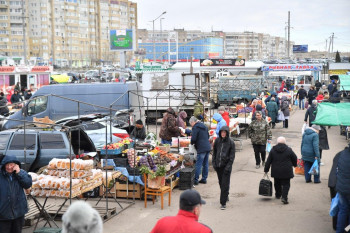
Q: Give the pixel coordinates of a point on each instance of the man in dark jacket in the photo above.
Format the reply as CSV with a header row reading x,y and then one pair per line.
x,y
13,202
200,140
223,157
282,159
343,189
168,129
4,110
186,219
311,113
139,131
301,94
311,95
15,98
330,87
323,141
27,95
318,86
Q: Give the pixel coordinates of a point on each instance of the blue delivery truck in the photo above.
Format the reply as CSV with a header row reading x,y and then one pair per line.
x,y
47,101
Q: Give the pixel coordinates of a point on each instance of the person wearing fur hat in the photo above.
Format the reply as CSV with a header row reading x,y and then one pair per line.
x,y
169,129
310,151
13,202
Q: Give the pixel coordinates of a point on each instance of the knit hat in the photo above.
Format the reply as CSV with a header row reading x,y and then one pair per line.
x,y
139,122
316,127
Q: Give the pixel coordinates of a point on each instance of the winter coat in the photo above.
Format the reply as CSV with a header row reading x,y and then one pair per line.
x,y
168,129
276,99
183,222
221,122
311,114
301,93
343,174
332,179
138,133
330,88
13,202
259,108
200,137
226,117
27,96
3,106
309,145
285,106
319,98
223,151
15,98
181,120
282,159
198,110
259,132
311,95
272,110
323,139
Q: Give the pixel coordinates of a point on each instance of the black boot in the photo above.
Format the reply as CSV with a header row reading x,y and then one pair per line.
x,y
286,123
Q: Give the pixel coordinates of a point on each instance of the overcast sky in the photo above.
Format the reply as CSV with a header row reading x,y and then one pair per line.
x,y
313,21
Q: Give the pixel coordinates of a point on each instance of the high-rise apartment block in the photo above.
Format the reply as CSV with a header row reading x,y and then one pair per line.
x,y
64,32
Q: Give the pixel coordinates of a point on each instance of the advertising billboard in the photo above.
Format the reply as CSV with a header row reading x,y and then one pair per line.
x,y
292,67
121,40
222,62
300,48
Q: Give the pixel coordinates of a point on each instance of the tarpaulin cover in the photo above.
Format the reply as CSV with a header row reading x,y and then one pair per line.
x,y
333,114
344,82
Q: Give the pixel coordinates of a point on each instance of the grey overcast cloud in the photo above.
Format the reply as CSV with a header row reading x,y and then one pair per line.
x,y
312,21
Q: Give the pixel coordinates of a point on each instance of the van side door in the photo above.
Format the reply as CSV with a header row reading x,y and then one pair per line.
x,y
24,147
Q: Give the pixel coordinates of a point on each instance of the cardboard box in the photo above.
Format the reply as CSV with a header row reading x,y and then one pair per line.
x,y
43,120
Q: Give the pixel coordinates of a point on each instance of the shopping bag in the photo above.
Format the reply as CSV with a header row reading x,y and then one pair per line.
x,y
265,186
296,102
333,211
303,128
280,116
300,167
268,147
314,170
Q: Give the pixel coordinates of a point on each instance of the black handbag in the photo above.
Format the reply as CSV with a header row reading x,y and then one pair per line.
x,y
265,186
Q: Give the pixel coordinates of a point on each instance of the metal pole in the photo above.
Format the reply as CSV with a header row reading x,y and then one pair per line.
x,y
154,48
25,148
24,35
288,34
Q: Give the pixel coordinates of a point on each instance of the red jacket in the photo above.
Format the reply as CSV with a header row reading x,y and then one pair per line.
x,y
226,118
183,222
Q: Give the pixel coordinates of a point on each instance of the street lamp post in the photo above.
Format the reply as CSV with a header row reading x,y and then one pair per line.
x,y
154,48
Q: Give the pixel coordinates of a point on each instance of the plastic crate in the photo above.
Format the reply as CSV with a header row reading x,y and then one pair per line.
x,y
187,173
186,186
132,170
121,162
111,152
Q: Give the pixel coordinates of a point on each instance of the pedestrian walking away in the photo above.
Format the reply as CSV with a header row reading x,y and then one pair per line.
x,y
311,113
186,219
13,202
259,132
323,142
301,94
223,157
285,110
310,151
272,111
200,140
312,94
281,159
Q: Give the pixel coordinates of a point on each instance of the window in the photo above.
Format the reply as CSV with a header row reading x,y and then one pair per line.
x,y
37,105
4,140
93,126
17,142
52,141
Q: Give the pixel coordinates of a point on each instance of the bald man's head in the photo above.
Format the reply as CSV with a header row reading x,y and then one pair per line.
x,y
281,140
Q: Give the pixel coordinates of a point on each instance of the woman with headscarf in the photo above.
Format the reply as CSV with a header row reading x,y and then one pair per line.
x,y
181,120
272,111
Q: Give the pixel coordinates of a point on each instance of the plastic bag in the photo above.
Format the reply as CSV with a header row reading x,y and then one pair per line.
x,y
300,167
192,150
296,102
314,170
268,147
303,128
333,211
280,116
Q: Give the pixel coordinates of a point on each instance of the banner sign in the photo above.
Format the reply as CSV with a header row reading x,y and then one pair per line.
x,y
222,62
292,67
300,48
7,69
40,69
121,40
338,71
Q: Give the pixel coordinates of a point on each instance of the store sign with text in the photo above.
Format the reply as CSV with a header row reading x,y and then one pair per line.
x,y
7,69
222,62
292,67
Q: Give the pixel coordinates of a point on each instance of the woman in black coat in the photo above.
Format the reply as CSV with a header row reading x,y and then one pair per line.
x,y
282,159
323,141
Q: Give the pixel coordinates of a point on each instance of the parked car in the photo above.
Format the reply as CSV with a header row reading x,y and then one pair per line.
x,y
92,74
95,126
42,146
74,77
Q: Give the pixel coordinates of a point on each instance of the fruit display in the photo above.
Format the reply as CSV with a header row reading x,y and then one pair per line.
x,y
131,157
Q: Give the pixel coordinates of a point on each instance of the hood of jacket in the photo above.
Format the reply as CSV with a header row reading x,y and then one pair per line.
x,y
309,131
284,98
10,159
314,107
224,128
258,107
200,125
225,114
273,93
171,111
217,117
280,147
183,115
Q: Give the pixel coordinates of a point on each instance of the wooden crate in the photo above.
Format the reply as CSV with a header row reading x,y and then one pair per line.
x,y
124,191
172,183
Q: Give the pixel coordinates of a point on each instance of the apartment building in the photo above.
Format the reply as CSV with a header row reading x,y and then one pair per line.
x,y
248,45
65,32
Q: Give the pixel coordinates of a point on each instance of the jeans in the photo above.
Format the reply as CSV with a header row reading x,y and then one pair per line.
x,y
202,166
282,187
163,141
344,213
224,182
259,149
12,226
307,167
301,103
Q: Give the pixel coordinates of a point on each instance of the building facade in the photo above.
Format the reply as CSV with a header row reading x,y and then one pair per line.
x,y
247,45
64,32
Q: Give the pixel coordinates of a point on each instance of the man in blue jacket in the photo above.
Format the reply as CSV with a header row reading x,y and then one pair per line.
x,y
13,202
200,140
310,151
220,122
